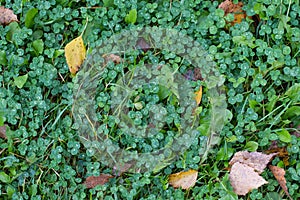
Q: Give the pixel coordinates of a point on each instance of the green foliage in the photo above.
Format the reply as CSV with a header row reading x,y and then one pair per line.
x,y
284,136
38,46
131,16
43,157
4,178
3,60
20,80
251,146
108,3
29,18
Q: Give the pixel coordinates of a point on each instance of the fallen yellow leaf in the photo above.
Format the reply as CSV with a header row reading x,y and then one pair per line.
x,y
198,96
75,53
185,180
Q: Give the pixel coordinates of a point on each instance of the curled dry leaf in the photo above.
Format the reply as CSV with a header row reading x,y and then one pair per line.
x,y
282,153
7,16
279,175
112,57
75,53
244,178
93,181
185,180
3,131
229,7
256,160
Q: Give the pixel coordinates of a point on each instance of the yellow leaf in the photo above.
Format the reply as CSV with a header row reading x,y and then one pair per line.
x,y
185,180
75,53
198,96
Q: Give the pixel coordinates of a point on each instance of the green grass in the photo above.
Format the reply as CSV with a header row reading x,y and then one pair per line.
x,y
43,156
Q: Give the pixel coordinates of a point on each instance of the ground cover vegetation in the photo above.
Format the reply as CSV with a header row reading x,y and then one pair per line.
x,y
256,47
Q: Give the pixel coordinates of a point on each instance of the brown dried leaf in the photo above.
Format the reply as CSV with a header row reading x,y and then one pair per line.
x,y
3,131
93,181
226,6
279,175
282,153
229,7
258,161
143,45
7,16
197,74
112,57
244,178
185,180
118,170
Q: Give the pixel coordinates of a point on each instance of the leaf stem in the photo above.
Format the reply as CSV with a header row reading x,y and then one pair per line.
x,y
87,21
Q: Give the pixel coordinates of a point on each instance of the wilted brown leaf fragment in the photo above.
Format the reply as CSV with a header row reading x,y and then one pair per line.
x,y
282,153
7,16
279,175
229,7
93,181
3,131
185,180
112,57
244,179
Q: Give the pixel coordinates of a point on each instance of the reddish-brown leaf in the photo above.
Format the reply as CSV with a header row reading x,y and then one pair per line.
x,y
185,180
93,181
282,153
143,44
229,7
3,131
7,16
279,175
